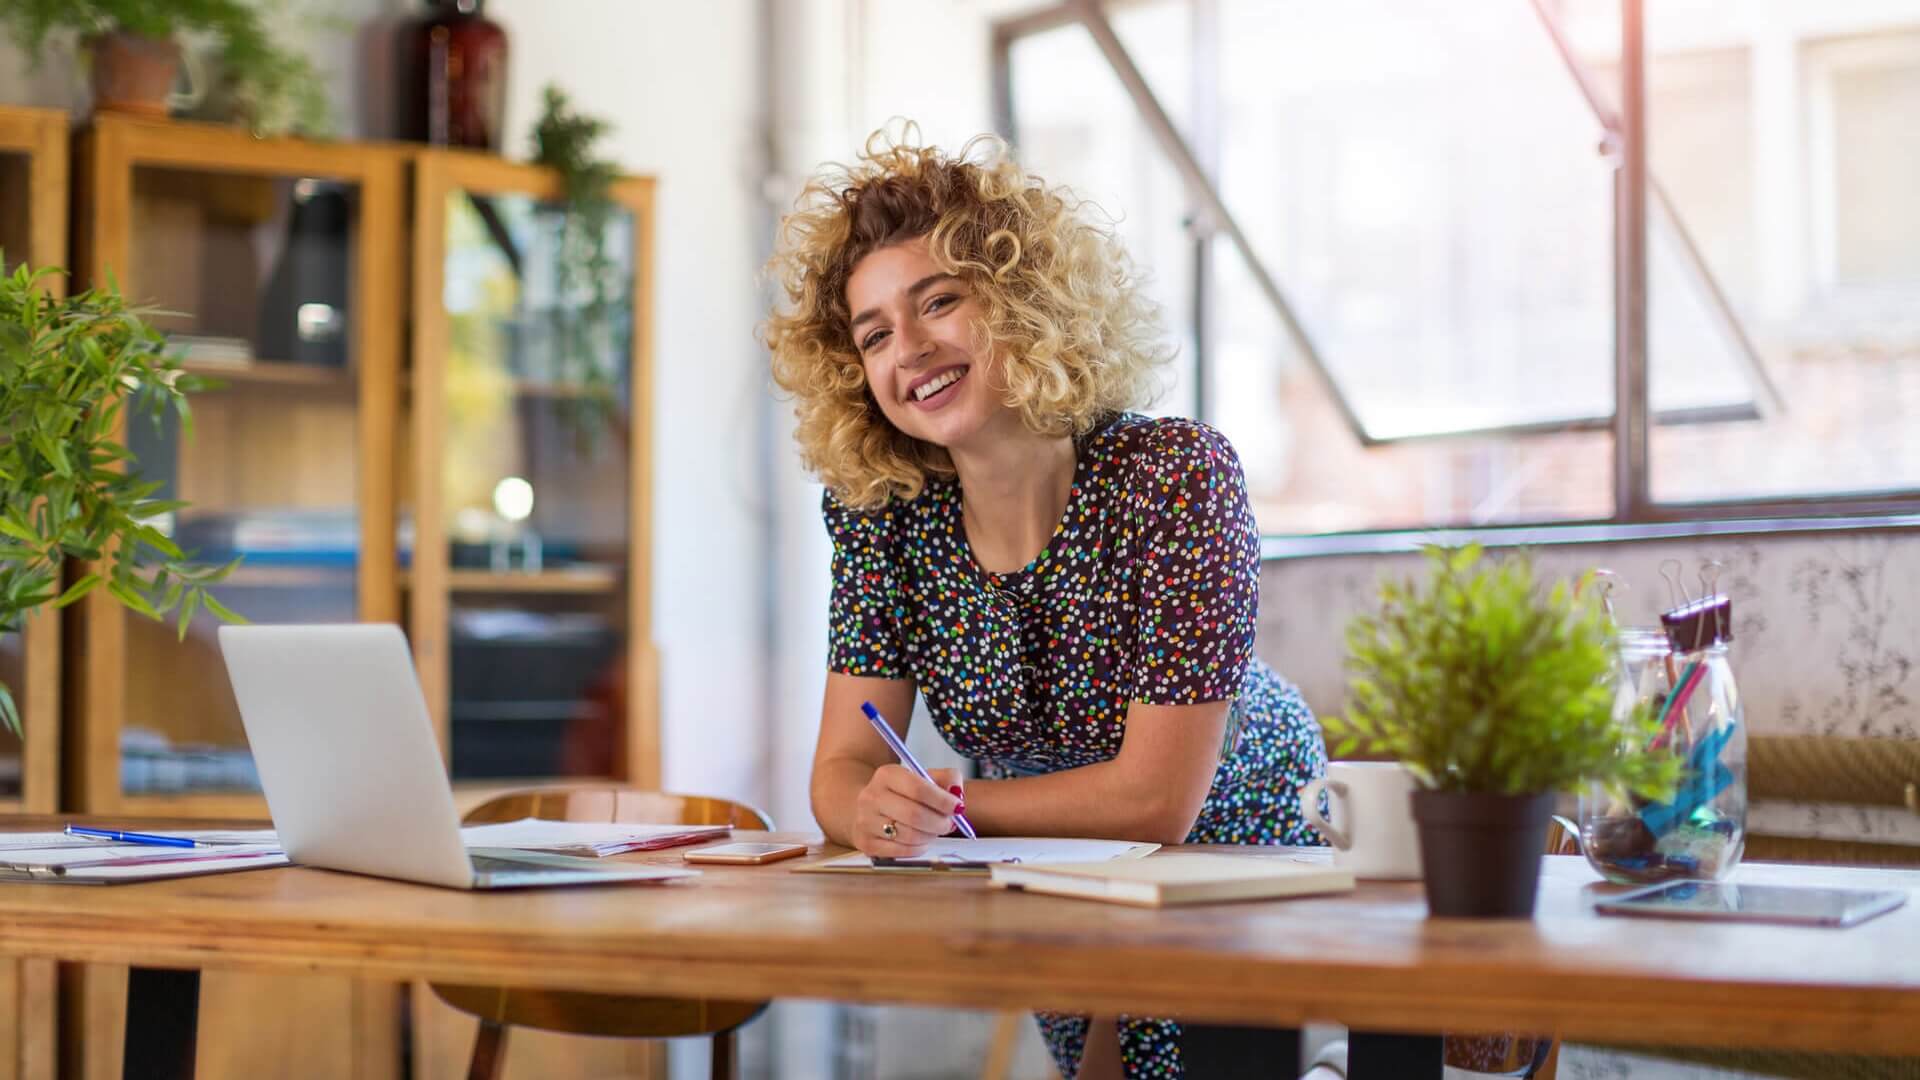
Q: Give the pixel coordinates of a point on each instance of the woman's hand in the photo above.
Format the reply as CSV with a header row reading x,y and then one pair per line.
x,y
914,811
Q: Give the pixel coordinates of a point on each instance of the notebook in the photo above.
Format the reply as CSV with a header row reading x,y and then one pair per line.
x,y
1179,878
62,859
961,855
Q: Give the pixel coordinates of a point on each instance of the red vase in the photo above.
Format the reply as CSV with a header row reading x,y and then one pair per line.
x,y
454,76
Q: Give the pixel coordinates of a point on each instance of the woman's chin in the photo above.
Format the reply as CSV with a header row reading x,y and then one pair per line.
x,y
956,424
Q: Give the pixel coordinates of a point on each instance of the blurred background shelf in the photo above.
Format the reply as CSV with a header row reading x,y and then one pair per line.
x,y
273,374
580,579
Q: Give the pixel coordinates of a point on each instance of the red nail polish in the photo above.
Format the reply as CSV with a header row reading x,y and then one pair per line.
x,y
961,809
954,791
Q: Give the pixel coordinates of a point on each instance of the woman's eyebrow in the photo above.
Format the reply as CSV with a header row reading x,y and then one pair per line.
x,y
914,290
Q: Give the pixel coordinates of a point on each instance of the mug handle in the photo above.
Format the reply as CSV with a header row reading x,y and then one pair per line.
x,y
196,79
1310,809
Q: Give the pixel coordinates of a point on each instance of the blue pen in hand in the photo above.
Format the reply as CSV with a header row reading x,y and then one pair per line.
x,y
900,751
131,837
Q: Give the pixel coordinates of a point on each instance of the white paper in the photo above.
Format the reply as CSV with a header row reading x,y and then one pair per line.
x,y
227,836
44,841
534,834
59,857
186,864
1009,849
17,846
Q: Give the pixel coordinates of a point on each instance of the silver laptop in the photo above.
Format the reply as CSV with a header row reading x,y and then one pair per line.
x,y
351,768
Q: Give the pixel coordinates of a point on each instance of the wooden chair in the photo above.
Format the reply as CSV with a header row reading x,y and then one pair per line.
x,y
615,1015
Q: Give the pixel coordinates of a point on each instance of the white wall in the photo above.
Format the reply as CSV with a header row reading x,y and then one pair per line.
x,y
680,84
846,68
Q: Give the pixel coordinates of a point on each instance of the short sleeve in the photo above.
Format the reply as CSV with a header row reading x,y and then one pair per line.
x,y
1197,569
863,634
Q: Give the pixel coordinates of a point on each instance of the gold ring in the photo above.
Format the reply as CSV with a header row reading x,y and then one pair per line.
x,y
889,831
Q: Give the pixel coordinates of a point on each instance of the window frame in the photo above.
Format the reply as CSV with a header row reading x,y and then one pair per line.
x,y
1637,196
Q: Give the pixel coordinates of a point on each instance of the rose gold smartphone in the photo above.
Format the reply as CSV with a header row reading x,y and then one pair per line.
x,y
745,852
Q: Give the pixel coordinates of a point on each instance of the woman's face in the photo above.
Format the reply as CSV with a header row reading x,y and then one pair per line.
x,y
914,327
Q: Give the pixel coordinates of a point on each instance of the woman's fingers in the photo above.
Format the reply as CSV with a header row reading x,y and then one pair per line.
x,y
936,796
872,827
907,812
954,784
899,802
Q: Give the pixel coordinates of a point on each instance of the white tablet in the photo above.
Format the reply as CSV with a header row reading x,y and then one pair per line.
x,y
1795,904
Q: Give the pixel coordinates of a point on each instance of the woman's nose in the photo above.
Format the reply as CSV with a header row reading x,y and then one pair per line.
x,y
914,342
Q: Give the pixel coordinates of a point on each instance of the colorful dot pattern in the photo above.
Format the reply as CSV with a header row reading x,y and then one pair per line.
x,y
1147,591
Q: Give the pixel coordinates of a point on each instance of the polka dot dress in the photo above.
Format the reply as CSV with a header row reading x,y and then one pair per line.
x,y
1146,592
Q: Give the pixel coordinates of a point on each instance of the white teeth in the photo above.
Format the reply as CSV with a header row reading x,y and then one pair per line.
x,y
937,384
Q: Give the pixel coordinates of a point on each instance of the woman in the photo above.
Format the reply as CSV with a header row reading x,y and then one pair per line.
x,y
1071,586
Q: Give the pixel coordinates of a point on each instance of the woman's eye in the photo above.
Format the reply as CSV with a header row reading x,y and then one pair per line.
x,y
941,301
867,343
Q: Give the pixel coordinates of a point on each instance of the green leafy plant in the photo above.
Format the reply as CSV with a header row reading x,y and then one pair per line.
x,y
1483,681
69,369
583,332
273,89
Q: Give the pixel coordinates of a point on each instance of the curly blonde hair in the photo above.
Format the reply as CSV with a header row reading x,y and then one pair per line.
x,y
1062,304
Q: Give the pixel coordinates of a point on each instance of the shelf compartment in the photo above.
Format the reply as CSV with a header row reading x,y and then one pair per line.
x,y
270,373
582,580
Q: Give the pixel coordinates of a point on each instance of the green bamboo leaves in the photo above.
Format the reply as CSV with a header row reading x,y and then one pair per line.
x,y
68,489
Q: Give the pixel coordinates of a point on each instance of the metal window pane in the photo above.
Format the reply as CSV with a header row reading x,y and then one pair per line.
x,y
1424,177
1076,125
1795,173
1307,471
1456,273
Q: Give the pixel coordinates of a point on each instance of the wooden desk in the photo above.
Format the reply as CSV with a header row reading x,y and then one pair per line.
x,y
1370,959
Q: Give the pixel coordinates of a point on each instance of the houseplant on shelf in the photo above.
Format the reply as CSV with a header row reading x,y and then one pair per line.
x,y
134,49
587,280
69,368
1496,693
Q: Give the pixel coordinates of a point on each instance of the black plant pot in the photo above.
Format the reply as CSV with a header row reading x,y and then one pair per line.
x,y
1481,853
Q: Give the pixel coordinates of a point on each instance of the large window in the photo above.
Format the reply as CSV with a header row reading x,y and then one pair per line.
x,y
1430,187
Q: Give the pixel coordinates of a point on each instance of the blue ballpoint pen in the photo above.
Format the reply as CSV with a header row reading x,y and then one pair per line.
x,y
906,757
133,837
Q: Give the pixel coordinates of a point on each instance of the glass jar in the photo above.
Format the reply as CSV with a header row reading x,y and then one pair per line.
x,y
1701,831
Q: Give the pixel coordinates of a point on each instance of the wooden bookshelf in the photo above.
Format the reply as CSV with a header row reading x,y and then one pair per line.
x,y
178,213
33,230
34,173
458,386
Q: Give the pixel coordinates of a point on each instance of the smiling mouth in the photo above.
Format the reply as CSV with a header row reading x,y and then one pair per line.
x,y
936,384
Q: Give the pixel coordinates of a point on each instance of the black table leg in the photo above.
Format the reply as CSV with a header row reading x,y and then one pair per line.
x,y
1374,1055
163,1018
1239,1053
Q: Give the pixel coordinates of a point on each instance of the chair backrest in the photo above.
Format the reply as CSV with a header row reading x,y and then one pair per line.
x,y
607,1014
613,803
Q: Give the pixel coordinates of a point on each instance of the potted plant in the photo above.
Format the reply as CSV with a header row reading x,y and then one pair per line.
x,y
134,50
1496,694
69,368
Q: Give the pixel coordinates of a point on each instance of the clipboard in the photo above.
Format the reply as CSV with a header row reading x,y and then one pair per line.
x,y
977,857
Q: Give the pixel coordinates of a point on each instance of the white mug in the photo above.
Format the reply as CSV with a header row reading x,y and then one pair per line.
x,y
1372,801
